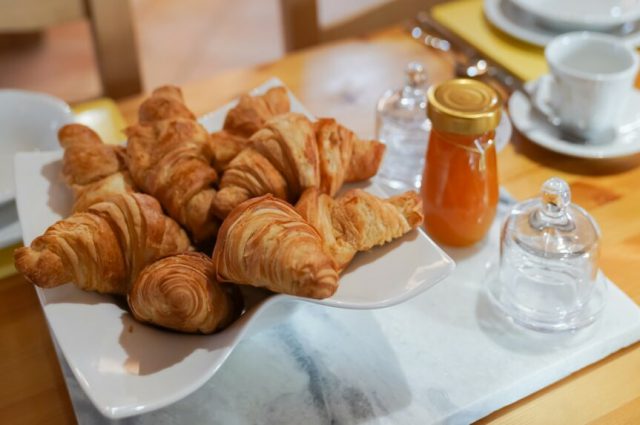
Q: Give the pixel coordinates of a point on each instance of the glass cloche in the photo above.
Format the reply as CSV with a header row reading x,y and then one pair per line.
x,y
548,275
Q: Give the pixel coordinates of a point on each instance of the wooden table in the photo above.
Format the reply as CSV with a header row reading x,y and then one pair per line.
x,y
344,80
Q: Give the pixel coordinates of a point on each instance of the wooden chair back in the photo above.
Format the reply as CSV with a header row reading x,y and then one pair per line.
x,y
111,28
302,28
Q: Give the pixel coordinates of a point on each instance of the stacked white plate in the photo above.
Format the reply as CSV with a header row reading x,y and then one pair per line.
x,y
28,122
539,21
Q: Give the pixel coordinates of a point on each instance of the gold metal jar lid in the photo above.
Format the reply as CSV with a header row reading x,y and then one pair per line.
x,y
463,106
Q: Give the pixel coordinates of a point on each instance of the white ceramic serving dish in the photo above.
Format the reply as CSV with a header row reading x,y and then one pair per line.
x,y
512,20
28,122
568,15
127,368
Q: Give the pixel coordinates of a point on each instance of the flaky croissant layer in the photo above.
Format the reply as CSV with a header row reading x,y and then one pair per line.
x,y
290,154
94,171
104,248
181,292
358,221
264,242
169,158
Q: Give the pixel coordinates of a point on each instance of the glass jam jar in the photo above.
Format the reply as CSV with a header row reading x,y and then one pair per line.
x,y
460,181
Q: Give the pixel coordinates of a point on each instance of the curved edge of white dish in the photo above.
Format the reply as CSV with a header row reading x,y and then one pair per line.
x,y
504,131
244,326
494,14
17,95
592,21
528,33
539,132
443,267
46,97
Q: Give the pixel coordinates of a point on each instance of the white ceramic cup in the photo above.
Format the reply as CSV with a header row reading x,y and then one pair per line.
x,y
591,80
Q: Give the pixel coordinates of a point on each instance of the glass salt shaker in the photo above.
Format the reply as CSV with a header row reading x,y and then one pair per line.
x,y
548,275
401,123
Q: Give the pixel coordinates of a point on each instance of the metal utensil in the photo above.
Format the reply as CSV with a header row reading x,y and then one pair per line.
x,y
467,57
470,67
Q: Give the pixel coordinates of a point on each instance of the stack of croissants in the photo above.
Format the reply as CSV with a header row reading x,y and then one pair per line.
x,y
259,194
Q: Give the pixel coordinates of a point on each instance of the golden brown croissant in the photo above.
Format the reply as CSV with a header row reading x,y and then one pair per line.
x,y
169,158
344,157
102,190
104,248
180,292
252,112
95,171
265,243
358,221
224,147
282,160
243,120
289,154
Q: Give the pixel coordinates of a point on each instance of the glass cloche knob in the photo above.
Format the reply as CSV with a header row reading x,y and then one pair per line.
x,y
548,275
556,199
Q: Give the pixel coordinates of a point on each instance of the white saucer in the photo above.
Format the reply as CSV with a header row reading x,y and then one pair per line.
x,y
597,15
536,128
509,18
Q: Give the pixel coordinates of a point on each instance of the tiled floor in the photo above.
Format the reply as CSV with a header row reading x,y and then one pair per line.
x,y
178,41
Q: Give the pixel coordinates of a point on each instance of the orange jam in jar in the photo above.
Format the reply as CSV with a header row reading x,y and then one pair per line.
x,y
460,181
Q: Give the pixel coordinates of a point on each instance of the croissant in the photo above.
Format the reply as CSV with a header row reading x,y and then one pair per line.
x,y
264,242
169,158
290,154
95,171
180,292
242,121
344,157
282,160
102,190
252,112
224,147
104,248
358,221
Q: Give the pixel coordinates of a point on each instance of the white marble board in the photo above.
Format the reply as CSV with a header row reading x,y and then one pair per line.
x,y
444,357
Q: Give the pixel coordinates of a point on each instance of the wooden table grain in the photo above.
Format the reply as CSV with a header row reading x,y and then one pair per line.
x,y
344,80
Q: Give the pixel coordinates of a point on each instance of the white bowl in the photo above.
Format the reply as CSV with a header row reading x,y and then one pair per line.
x,y
28,122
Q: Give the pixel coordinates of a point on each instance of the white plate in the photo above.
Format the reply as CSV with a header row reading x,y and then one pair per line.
x,y
582,14
28,122
9,224
507,17
535,127
503,131
127,368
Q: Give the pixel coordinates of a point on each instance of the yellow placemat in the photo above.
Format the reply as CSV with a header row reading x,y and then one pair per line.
x,y
6,261
466,19
104,117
